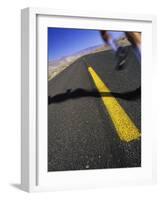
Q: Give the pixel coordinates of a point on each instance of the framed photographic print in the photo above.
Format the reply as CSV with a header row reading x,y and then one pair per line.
x,y
86,105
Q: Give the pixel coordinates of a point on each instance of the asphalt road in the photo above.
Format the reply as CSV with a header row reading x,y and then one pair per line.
x,y
81,134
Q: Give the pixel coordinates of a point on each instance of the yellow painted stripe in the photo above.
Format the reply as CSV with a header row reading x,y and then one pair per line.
x,y
125,128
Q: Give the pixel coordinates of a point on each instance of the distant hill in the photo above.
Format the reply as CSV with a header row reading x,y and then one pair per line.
x,y
56,66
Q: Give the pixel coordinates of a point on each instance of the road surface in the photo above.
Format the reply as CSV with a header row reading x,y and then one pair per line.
x,y
93,129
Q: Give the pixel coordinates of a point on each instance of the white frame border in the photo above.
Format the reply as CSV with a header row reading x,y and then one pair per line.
x,y
29,86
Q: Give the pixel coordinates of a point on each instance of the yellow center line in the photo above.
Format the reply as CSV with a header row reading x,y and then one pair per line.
x,y
125,128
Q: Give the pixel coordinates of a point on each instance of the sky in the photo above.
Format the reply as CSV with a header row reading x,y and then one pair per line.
x,y
65,41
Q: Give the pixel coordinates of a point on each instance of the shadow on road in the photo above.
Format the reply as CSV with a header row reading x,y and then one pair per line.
x,y
78,93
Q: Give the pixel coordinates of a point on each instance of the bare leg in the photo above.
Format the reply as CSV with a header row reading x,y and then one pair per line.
x,y
135,39
108,40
